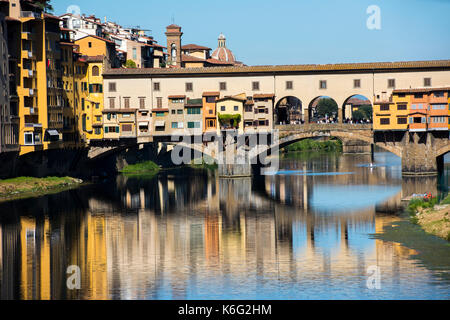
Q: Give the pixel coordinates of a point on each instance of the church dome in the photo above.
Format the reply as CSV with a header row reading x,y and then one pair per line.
x,y
222,53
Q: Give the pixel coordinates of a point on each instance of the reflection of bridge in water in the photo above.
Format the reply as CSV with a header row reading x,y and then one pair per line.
x,y
152,239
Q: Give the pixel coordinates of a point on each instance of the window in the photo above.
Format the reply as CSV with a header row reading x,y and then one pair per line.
x,y
255,85
427,82
112,87
439,94
193,125
236,108
401,107
180,111
222,108
322,84
248,108
127,127
384,121
134,53
126,102
189,86
142,103
418,95
357,83
95,71
95,88
97,105
210,99
289,85
174,125
90,44
160,114
439,106
159,102
29,138
112,103
401,120
174,111
98,130
391,83
156,86
222,86
194,111
384,107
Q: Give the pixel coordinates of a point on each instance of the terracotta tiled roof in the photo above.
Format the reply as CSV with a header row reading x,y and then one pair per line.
x,y
264,96
187,58
421,90
359,102
232,98
194,47
94,58
99,38
173,26
160,110
119,110
312,68
218,62
50,16
12,19
177,97
211,94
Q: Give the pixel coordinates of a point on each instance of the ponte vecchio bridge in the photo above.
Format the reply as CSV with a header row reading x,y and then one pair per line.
x,y
421,152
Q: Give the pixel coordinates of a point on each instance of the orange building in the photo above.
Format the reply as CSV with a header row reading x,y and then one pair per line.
x,y
438,109
418,110
209,111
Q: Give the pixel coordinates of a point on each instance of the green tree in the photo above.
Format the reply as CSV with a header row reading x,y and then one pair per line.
x,y
358,115
367,111
45,5
130,64
326,106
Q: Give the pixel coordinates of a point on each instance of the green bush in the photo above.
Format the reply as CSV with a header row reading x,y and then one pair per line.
x,y
310,144
142,167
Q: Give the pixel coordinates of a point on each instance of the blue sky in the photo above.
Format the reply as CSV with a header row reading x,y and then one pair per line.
x,y
265,32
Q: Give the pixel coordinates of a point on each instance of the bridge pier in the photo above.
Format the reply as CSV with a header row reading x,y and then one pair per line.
x,y
234,162
357,147
419,154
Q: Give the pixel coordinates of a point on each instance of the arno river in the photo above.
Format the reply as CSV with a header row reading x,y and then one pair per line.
x,y
311,231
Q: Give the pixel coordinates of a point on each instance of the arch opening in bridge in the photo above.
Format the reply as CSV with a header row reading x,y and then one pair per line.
x,y
323,109
357,109
288,110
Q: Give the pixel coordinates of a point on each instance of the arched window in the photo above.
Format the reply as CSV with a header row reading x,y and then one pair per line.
x,y
95,71
174,52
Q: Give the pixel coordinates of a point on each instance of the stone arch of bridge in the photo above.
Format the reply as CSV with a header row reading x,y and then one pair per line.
x,y
312,108
289,110
352,101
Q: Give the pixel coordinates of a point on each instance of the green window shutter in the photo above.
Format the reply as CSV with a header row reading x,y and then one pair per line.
x,y
101,88
106,130
117,129
91,88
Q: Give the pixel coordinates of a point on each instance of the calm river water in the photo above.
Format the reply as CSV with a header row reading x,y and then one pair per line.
x,y
309,231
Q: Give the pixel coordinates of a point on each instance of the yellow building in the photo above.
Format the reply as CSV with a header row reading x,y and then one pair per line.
x,y
230,112
90,116
93,46
389,114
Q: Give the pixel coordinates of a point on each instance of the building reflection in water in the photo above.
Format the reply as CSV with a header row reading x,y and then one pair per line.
x,y
180,237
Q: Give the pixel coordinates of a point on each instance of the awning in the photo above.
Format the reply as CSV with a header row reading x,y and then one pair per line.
x,y
143,124
160,123
53,132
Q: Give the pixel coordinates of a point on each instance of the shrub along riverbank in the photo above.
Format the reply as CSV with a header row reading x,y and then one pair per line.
x,y
25,187
433,216
146,167
314,145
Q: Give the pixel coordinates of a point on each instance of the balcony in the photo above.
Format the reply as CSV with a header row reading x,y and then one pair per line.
x,y
29,15
28,73
27,54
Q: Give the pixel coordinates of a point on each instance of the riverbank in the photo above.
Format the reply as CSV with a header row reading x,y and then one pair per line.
x,y
314,145
141,168
27,187
433,217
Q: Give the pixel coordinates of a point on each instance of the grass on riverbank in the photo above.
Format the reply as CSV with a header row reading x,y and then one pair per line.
x,y
146,167
314,145
432,216
210,164
23,187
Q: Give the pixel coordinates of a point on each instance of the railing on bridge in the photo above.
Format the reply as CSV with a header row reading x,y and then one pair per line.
x,y
324,127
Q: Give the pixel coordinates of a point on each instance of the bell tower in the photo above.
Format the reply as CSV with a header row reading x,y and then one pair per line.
x,y
173,35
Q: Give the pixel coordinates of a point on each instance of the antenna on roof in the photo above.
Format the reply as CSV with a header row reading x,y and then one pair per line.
x,y
173,18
